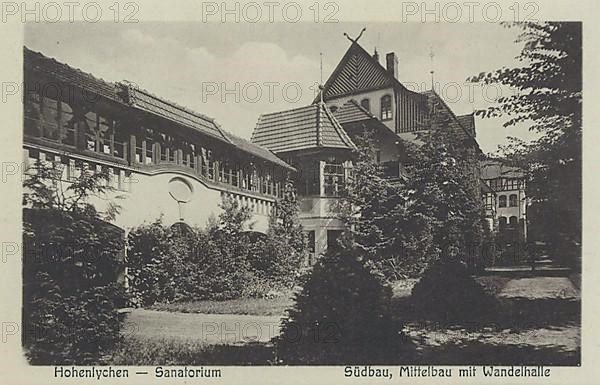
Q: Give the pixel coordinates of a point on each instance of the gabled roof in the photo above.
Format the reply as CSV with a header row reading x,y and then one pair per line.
x,y
149,102
455,122
358,71
492,169
468,122
312,126
351,112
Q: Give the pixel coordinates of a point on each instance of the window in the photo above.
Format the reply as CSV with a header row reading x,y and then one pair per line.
x,y
513,221
502,201
50,116
502,223
333,237
386,107
333,176
32,112
310,241
333,109
366,104
512,200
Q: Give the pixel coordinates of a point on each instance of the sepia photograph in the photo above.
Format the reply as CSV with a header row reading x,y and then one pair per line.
x,y
243,192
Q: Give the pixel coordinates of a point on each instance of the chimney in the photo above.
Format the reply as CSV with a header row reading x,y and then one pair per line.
x,y
391,63
376,55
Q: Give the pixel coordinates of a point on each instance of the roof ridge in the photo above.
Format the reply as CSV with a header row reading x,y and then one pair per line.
x,y
338,128
40,55
287,110
168,101
432,92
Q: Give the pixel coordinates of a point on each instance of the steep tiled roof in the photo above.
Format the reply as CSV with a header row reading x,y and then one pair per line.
x,y
149,102
306,127
492,169
351,111
38,63
468,122
443,109
358,71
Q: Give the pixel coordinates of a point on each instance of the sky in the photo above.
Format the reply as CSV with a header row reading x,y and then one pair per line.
x,y
233,72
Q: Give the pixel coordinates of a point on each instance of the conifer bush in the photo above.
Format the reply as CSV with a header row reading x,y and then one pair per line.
x,y
448,294
341,316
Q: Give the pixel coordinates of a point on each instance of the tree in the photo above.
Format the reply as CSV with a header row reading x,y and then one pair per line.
x,y
71,263
342,316
444,186
284,247
548,98
378,219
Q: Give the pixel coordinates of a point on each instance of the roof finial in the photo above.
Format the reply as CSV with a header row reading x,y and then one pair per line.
x,y
431,56
321,59
356,38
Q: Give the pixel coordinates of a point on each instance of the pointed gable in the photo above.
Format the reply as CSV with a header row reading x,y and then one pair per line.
x,y
445,113
312,126
357,71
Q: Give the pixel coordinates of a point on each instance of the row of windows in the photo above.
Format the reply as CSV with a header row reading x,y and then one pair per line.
x,y
87,130
385,112
512,200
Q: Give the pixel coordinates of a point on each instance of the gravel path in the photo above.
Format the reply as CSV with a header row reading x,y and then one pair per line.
x,y
206,328
540,288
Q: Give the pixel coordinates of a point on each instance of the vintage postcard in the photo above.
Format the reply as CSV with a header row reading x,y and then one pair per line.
x,y
298,192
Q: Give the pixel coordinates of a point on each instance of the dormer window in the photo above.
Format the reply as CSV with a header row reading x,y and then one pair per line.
x,y
333,109
366,104
386,107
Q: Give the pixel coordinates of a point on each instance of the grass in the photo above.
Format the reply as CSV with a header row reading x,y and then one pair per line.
x,y
278,305
248,306
522,331
144,351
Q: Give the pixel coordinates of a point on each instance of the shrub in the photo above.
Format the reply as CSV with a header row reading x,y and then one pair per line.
x,y
448,294
72,261
167,264
70,299
341,316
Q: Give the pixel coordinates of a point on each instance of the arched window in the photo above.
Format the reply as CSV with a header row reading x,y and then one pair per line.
x,y
512,200
502,223
513,221
502,201
386,107
366,104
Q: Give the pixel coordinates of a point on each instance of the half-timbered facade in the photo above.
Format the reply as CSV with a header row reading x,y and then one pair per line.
x,y
164,159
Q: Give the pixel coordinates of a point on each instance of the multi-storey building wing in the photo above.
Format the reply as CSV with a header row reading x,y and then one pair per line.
x,y
313,141
164,159
507,185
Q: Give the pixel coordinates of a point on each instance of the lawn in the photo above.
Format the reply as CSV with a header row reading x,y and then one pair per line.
x,y
277,306
247,306
526,329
